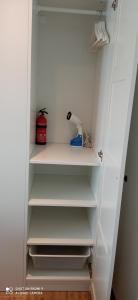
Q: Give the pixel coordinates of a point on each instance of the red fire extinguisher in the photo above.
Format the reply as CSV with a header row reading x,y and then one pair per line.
x,y
41,127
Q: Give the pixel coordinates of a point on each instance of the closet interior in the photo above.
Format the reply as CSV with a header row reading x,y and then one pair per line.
x,y
65,186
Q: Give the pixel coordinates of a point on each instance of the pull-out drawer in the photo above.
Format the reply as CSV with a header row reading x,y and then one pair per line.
x,y
59,257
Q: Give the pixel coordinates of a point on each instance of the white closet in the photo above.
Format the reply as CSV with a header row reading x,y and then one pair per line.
x,y
55,199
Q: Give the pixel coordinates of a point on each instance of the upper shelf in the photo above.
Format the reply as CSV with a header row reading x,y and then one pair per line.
x,y
84,7
63,154
42,9
75,4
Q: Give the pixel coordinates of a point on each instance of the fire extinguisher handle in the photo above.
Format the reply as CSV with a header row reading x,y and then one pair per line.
x,y
43,111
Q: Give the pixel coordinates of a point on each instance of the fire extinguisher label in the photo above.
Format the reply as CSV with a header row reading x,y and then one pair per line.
x,y
41,135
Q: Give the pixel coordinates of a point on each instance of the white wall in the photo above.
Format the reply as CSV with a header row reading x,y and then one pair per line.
x,y
14,100
66,73
126,268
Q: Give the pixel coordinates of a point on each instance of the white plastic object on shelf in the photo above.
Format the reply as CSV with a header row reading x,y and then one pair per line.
x,y
61,257
100,37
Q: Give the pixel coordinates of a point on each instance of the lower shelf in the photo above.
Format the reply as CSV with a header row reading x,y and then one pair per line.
x,y
59,226
57,275
58,280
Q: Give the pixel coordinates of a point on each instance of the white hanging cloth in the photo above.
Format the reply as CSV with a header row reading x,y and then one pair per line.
x,y
100,37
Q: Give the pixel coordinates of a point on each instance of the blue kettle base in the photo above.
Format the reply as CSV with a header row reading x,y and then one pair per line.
x,y
77,141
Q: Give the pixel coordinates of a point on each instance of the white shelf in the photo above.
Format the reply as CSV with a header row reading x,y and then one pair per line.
x,y
71,4
68,11
63,154
61,190
59,226
57,275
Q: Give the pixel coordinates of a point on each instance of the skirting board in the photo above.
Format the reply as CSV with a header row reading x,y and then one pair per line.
x,y
92,291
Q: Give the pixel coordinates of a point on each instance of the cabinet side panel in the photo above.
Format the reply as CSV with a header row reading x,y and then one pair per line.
x,y
14,29
34,53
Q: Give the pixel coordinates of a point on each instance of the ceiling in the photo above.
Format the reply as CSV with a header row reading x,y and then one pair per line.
x,y
75,4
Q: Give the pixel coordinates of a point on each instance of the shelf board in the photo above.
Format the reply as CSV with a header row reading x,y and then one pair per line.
x,y
71,4
64,154
59,226
61,190
56,275
68,10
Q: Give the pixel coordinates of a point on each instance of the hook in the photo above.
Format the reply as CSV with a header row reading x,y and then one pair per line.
x,y
115,4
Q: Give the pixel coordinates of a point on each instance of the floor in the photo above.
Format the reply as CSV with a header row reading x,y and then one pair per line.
x,y
49,296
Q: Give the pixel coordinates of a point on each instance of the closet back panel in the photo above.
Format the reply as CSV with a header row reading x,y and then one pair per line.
x,y
66,72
